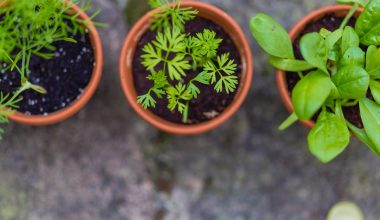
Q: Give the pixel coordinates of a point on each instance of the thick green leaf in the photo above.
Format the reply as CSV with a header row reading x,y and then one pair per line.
x,y
338,109
290,64
334,94
288,122
359,133
333,38
324,32
271,36
314,50
352,82
372,37
373,61
375,90
353,56
363,137
310,93
349,39
370,114
369,18
334,54
351,2
329,137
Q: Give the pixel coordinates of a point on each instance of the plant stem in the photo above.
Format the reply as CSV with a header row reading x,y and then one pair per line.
x,y
348,102
23,88
288,122
349,15
185,115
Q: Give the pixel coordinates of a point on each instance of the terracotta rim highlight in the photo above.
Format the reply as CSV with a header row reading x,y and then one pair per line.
x,y
230,26
61,115
339,11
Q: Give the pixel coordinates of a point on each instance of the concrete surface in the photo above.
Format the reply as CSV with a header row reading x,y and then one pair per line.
x,y
108,164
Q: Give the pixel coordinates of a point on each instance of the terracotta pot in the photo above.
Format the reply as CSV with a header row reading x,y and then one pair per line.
x,y
52,118
3,2
337,10
126,70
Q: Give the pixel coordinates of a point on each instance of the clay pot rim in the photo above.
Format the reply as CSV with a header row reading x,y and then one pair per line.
x,y
3,2
282,85
84,98
127,53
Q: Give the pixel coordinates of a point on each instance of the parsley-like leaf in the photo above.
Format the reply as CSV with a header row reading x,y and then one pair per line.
x,y
172,40
177,67
146,101
224,70
151,57
176,97
165,49
170,17
203,78
206,43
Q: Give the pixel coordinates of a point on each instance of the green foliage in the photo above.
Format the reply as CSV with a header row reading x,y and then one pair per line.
x,y
31,27
310,93
159,83
222,73
373,61
349,39
267,31
352,2
174,54
332,38
375,90
335,73
370,114
353,56
171,16
329,137
314,50
369,19
179,97
290,64
206,44
351,81
159,51
6,106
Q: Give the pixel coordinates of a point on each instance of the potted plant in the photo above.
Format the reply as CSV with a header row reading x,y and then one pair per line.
x,y
329,73
185,67
51,60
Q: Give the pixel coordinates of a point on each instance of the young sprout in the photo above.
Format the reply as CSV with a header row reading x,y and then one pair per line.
x,y
174,53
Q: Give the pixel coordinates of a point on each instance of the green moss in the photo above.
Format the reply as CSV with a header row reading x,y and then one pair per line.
x,y
135,10
13,204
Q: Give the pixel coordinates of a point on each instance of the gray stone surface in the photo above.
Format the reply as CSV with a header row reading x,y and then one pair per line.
x,y
107,163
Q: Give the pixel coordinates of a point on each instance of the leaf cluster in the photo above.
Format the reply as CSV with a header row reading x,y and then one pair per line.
x,y
7,105
173,54
170,16
339,74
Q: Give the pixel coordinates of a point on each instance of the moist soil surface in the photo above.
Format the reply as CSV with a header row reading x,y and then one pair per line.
x,y
209,104
331,23
65,76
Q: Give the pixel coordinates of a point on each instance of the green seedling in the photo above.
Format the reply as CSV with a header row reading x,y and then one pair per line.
x,y
174,52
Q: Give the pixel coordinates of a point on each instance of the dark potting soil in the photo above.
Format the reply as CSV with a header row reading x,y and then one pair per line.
x,y
331,23
209,104
64,77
